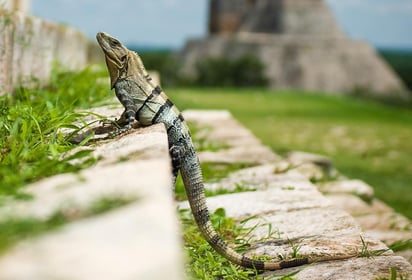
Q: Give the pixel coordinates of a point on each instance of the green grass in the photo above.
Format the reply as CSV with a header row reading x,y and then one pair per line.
x,y
205,263
32,144
31,140
365,139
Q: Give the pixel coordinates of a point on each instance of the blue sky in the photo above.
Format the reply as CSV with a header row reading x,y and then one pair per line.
x,y
383,23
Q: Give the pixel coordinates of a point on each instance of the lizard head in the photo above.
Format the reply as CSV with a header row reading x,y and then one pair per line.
x,y
116,55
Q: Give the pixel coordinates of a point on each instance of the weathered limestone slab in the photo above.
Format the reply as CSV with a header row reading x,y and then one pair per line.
x,y
298,157
385,221
407,254
243,146
135,242
245,204
359,269
68,192
307,223
16,5
29,46
377,220
41,44
71,47
356,206
263,177
354,187
6,51
130,242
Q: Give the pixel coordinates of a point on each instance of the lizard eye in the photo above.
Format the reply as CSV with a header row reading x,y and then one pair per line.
x,y
114,43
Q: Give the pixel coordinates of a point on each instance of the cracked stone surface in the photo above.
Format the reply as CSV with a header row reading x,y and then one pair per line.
x,y
356,187
359,268
283,209
130,242
223,128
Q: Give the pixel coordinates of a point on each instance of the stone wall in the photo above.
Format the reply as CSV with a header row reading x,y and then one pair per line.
x,y
30,46
16,5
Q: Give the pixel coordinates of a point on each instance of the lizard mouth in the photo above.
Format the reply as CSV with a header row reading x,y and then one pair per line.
x,y
102,39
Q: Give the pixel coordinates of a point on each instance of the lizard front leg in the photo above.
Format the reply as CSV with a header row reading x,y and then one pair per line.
x,y
128,117
118,122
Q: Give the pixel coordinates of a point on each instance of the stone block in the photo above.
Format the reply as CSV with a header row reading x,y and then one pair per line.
x,y
359,269
16,5
71,191
263,177
356,206
22,6
30,46
130,242
71,48
220,127
6,51
43,44
6,4
22,57
274,200
355,187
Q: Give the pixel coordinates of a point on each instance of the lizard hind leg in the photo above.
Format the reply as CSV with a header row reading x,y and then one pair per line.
x,y
176,152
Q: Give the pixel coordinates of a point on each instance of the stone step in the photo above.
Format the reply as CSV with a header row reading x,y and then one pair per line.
x,y
296,210
129,242
221,127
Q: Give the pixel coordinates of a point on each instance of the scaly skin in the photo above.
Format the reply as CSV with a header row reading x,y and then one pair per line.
x,y
147,103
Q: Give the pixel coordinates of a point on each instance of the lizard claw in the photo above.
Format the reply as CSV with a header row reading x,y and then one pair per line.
x,y
109,122
120,131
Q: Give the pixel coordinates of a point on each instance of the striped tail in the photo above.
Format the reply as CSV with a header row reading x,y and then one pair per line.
x,y
192,179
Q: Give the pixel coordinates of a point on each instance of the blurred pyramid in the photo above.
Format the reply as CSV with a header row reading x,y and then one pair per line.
x,y
299,42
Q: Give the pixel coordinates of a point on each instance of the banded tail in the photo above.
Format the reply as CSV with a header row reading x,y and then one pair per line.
x,y
192,179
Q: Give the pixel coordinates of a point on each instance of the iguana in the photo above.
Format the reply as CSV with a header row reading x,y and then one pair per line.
x,y
148,104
